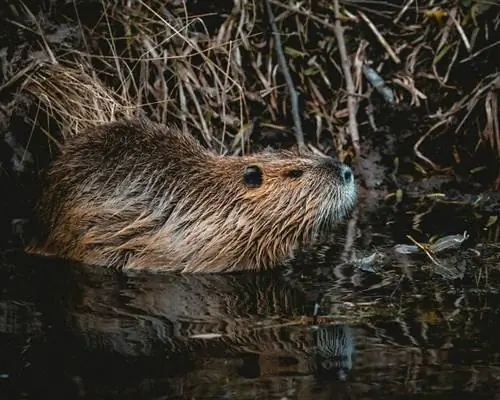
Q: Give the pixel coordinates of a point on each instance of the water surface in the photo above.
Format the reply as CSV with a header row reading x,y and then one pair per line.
x,y
323,327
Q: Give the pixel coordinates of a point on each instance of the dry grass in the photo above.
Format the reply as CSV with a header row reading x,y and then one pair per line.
x,y
76,97
215,70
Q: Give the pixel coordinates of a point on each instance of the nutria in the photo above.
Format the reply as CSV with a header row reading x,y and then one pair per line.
x,y
137,194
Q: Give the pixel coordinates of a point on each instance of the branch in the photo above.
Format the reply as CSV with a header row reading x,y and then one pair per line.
x,y
346,68
294,98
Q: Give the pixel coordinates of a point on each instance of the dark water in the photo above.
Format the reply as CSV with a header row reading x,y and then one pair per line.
x,y
72,331
322,327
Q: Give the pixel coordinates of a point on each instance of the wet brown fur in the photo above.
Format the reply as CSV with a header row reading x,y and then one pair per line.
x,y
136,194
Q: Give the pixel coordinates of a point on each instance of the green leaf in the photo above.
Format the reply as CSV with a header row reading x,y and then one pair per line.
x,y
293,52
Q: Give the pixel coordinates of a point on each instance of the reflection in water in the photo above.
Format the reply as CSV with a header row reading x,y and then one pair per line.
x,y
74,331
82,330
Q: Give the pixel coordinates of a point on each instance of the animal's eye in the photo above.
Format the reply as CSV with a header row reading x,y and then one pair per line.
x,y
294,173
253,176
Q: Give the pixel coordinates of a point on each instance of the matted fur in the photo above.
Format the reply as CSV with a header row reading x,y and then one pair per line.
x,y
136,194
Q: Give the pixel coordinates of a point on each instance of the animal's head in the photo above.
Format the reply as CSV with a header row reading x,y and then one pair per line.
x,y
256,209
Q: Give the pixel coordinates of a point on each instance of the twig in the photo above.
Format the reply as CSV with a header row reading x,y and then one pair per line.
x,y
21,74
346,67
294,98
380,38
404,9
421,140
348,253
409,84
425,249
477,53
40,33
307,13
460,30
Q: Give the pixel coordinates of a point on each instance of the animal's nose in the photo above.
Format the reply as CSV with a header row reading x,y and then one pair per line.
x,y
346,174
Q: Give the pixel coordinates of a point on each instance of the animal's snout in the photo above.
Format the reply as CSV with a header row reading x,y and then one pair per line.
x,y
343,171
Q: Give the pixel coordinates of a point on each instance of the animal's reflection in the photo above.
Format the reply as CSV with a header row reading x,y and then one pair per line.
x,y
248,314
196,329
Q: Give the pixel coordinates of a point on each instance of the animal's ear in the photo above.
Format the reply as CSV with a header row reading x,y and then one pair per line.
x,y
293,173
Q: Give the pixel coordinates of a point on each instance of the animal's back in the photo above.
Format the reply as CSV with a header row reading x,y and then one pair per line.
x,y
107,185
